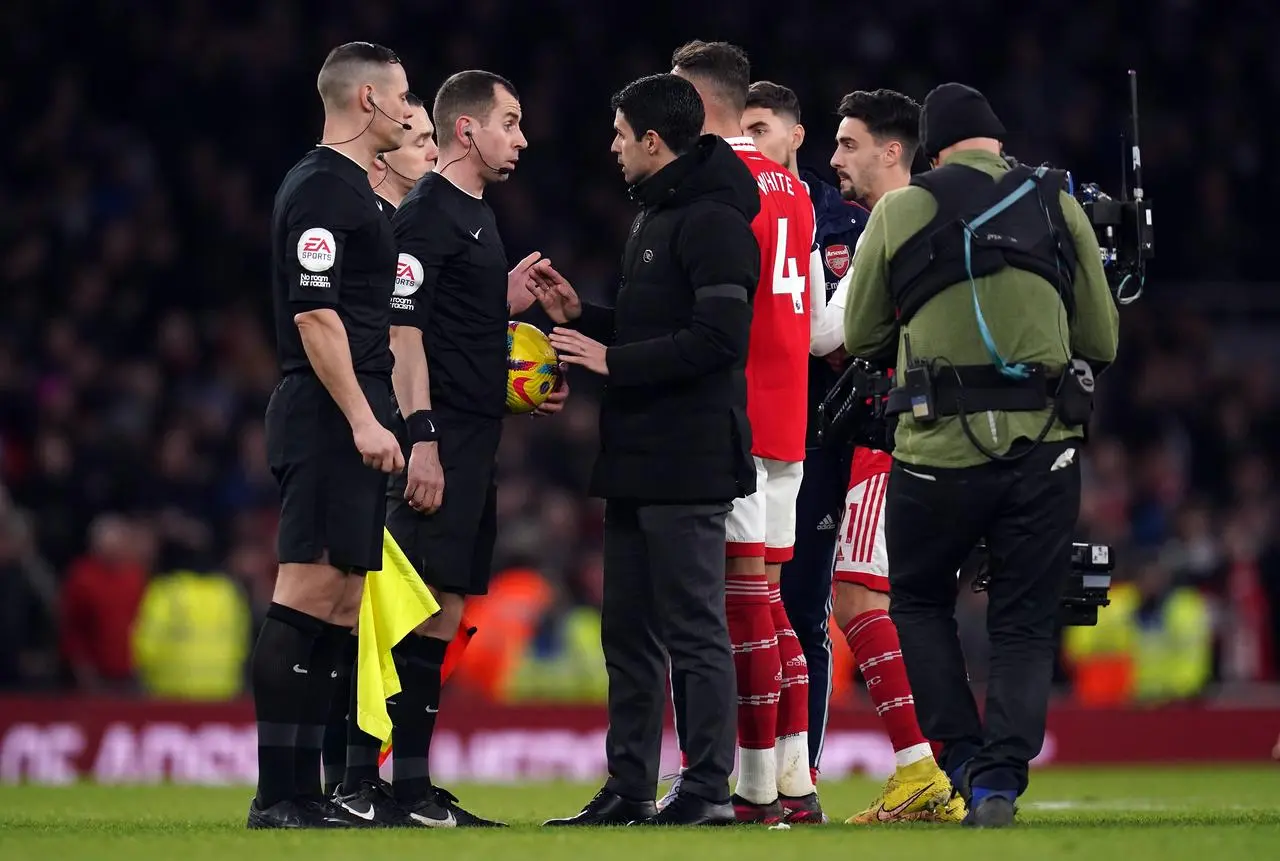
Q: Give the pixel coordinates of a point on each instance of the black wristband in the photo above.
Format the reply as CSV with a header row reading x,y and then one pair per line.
x,y
422,427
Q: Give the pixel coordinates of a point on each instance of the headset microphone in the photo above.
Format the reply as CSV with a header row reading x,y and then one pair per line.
x,y
383,158
500,171
403,125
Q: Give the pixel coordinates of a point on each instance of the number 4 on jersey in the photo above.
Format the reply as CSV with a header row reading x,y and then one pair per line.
x,y
786,274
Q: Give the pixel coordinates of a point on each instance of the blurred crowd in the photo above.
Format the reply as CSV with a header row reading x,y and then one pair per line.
x,y
136,356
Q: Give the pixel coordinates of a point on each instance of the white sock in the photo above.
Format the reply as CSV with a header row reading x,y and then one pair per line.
x,y
912,755
793,765
757,776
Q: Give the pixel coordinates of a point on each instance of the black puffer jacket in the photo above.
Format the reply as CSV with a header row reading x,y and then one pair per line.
x,y
673,424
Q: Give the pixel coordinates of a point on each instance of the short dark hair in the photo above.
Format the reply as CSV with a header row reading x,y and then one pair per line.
x,y
665,104
471,92
345,62
774,97
886,114
723,64
414,100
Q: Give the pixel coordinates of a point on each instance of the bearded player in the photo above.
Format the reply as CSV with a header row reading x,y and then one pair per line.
x,y
772,118
875,143
774,781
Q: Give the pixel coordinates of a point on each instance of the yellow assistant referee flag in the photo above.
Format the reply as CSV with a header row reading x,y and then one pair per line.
x,y
395,601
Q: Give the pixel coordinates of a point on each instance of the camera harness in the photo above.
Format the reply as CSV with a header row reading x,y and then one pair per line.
x,y
1009,227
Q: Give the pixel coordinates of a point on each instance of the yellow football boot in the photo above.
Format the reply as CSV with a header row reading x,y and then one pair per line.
x,y
918,792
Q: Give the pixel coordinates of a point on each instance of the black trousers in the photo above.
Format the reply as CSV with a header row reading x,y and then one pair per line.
x,y
806,578
664,598
1027,512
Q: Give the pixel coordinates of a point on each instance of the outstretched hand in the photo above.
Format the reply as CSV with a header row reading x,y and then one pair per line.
x,y
554,292
519,283
576,348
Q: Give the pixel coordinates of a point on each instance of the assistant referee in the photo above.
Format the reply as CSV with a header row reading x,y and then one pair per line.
x,y
333,256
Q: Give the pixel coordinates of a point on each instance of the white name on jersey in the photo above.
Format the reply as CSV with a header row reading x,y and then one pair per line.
x,y
775,181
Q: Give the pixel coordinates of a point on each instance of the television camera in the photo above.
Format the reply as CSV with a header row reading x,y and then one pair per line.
x,y
1123,225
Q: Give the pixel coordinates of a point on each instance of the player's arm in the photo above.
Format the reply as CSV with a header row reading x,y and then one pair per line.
x,y
562,304
1095,326
721,258
321,216
826,333
422,237
870,324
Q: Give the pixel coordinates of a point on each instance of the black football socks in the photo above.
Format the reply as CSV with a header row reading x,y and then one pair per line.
x,y
282,669
413,714
363,749
333,753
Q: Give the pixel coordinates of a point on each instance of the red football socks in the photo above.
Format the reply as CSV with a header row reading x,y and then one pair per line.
x,y
794,778
874,641
759,672
793,703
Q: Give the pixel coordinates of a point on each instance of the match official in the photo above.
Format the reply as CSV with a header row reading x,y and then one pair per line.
x,y
675,447
394,174
328,444
993,278
449,313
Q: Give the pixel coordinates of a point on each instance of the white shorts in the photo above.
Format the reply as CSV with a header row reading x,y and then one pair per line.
x,y
861,555
764,523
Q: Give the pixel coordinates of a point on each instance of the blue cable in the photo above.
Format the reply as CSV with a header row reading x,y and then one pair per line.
x,y
1018,371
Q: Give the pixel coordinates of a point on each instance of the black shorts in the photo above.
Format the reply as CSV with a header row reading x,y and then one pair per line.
x,y
330,502
452,549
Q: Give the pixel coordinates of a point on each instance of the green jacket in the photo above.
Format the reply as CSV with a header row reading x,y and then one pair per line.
x,y
1027,319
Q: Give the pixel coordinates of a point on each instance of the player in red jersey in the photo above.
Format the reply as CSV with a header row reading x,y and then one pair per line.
x,y
875,142
773,766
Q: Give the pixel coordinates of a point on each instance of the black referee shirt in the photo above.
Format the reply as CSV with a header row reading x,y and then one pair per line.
x,y
451,282
331,247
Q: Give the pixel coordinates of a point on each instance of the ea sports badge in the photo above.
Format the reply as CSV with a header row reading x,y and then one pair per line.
x,y
317,250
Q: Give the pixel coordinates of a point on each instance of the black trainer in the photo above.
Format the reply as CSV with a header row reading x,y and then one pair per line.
x,y
428,813
465,818
372,802
994,811
608,808
300,813
689,809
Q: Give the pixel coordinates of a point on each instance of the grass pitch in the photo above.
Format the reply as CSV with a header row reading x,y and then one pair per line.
x,y
1134,815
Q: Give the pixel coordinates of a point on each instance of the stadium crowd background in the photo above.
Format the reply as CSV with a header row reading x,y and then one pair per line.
x,y
137,175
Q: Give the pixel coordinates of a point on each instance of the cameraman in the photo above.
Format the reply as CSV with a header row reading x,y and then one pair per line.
x,y
993,278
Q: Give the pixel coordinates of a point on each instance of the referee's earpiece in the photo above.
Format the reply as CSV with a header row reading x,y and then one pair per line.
x,y
403,124
471,144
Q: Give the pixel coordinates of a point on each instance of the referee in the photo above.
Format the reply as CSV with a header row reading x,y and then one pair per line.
x,y
333,268
449,318
993,277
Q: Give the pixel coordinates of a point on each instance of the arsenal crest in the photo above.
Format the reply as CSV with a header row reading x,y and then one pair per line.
x,y
838,258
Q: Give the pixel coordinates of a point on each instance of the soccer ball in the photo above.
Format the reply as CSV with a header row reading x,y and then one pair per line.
x,y
533,369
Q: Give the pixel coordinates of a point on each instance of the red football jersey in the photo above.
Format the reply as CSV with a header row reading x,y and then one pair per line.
x,y
778,355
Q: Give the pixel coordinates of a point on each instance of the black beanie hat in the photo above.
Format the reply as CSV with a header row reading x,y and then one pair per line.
x,y
953,112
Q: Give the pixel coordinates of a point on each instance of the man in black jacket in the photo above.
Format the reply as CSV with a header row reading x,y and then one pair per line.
x,y
674,446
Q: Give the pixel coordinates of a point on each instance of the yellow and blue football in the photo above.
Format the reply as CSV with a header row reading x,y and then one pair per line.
x,y
533,369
